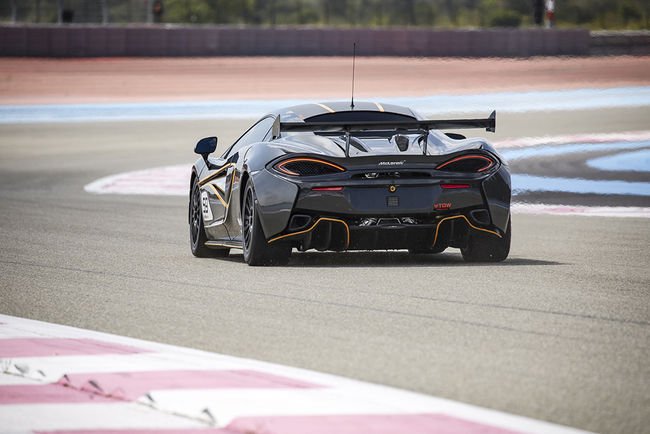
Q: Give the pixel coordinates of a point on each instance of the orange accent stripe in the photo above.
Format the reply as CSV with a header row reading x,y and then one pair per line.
x,y
226,205
327,219
216,193
325,107
232,184
280,166
215,174
468,157
435,238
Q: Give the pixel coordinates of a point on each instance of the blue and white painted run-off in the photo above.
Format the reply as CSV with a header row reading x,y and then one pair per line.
x,y
574,99
526,183
557,150
637,161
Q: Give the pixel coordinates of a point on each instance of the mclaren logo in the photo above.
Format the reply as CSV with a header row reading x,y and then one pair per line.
x,y
391,163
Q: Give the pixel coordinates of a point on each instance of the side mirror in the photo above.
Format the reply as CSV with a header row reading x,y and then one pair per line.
x,y
206,146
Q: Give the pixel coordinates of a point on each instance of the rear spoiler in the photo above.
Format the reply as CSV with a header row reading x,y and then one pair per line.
x,y
489,124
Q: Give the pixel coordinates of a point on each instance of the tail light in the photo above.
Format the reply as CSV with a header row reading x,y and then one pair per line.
x,y
307,167
467,164
454,186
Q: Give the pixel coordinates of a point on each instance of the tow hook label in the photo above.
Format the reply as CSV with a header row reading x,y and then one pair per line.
x,y
442,205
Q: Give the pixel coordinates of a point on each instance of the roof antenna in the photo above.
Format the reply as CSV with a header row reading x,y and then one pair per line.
x,y
354,58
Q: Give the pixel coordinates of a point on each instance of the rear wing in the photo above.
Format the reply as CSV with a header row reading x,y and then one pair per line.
x,y
489,124
347,127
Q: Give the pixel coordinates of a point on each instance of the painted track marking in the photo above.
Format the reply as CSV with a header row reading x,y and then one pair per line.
x,y
175,405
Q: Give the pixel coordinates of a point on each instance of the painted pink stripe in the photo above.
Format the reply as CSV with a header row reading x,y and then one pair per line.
x,y
46,394
44,347
339,424
132,385
129,386
146,431
362,424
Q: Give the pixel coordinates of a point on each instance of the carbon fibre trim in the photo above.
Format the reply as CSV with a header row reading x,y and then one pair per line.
x,y
435,237
312,227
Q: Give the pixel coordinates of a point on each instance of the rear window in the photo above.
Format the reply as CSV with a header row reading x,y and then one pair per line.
x,y
359,116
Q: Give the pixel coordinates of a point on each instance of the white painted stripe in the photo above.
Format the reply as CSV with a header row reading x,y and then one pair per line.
x,y
159,181
227,405
33,417
51,369
8,379
589,211
345,399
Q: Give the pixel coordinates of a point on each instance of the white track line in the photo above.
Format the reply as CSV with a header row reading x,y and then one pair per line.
x,y
45,417
575,210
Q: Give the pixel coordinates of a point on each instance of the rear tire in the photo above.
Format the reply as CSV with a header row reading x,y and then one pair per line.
x,y
487,248
256,250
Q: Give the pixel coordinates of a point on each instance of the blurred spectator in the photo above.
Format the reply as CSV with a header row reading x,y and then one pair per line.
x,y
538,12
67,15
157,11
550,14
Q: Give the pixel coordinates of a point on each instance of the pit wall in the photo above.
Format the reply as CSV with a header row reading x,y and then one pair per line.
x,y
165,40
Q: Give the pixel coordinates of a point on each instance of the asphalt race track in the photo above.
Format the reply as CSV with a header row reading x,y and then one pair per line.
x,y
558,332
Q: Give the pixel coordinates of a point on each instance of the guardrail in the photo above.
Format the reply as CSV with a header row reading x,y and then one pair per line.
x,y
620,43
167,40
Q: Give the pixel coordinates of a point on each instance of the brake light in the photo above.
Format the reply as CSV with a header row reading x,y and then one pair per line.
x,y
327,188
467,163
454,186
307,167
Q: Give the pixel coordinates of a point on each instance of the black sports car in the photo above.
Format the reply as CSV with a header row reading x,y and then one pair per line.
x,y
334,177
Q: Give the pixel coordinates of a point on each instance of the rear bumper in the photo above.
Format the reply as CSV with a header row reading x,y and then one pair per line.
x,y
416,214
327,233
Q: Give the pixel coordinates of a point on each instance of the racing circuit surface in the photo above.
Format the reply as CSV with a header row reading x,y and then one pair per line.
x,y
558,332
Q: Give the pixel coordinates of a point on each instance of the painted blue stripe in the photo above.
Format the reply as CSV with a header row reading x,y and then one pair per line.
x,y
575,99
555,150
522,183
526,183
638,161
